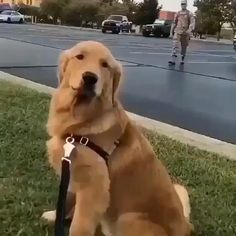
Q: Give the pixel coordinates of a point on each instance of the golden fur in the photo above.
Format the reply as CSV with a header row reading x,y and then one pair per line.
x,y
134,195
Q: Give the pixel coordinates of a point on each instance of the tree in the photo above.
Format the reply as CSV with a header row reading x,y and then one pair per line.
x,y
71,15
52,8
110,2
27,10
131,7
205,24
116,8
232,16
78,12
218,11
147,12
89,12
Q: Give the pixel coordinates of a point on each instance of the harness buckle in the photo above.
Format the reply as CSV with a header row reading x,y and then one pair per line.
x,y
84,141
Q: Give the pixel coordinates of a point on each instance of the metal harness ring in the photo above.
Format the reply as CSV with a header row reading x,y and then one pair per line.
x,y
70,140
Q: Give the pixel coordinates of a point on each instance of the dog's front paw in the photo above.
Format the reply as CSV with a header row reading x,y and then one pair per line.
x,y
49,216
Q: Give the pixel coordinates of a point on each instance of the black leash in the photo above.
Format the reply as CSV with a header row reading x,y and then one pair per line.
x,y
61,202
69,146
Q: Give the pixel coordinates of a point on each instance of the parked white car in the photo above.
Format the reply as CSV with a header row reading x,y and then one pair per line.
x,y
11,16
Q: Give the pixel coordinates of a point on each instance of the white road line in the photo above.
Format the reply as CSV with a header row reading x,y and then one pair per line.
x,y
190,54
139,47
159,53
214,55
215,50
151,53
211,62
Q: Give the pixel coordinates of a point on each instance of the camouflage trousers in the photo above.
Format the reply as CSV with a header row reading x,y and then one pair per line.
x,y
183,41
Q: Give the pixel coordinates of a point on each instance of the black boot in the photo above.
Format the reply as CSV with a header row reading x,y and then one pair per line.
x,y
182,60
172,62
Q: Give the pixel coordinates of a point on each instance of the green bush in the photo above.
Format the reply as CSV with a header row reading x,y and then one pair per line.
x,y
28,10
87,13
77,13
71,15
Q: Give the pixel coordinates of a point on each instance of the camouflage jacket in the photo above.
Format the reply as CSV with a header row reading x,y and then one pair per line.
x,y
184,22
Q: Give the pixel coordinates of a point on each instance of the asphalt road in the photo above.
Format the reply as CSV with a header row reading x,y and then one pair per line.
x,y
199,97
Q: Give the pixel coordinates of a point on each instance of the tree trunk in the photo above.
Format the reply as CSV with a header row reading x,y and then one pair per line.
x,y
55,20
234,28
218,35
219,31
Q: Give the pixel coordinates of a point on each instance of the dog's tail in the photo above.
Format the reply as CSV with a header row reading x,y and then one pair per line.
x,y
184,198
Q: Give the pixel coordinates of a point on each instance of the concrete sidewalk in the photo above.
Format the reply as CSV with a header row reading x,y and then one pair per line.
x,y
184,136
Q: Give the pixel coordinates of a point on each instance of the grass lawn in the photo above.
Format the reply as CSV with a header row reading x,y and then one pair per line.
x,y
28,186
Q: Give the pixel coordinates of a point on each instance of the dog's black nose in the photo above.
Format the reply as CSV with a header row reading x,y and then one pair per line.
x,y
90,79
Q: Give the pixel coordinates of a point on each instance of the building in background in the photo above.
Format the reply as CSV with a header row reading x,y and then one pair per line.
x,y
4,7
167,15
35,3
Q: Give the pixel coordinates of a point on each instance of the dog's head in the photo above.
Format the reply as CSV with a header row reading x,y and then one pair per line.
x,y
91,73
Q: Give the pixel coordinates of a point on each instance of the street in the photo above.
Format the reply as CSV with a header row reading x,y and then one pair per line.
x,y
199,96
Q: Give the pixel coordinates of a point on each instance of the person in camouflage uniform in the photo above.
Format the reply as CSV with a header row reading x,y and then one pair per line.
x,y
182,28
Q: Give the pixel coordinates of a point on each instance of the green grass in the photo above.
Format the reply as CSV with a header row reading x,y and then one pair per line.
x,y
28,186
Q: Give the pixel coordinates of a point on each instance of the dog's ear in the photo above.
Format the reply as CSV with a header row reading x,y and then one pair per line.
x,y
117,74
62,63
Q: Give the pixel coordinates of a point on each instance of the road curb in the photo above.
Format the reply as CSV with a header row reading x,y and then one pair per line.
x,y
212,41
184,136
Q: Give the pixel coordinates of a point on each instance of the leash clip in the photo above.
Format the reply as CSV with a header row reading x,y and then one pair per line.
x,y
68,147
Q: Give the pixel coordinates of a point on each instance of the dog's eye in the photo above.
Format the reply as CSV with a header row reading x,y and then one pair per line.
x,y
80,56
104,64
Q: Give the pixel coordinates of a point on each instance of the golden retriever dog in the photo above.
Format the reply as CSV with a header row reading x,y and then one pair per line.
x,y
133,194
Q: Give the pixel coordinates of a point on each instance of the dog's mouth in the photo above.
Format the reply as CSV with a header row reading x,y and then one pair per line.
x,y
84,95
